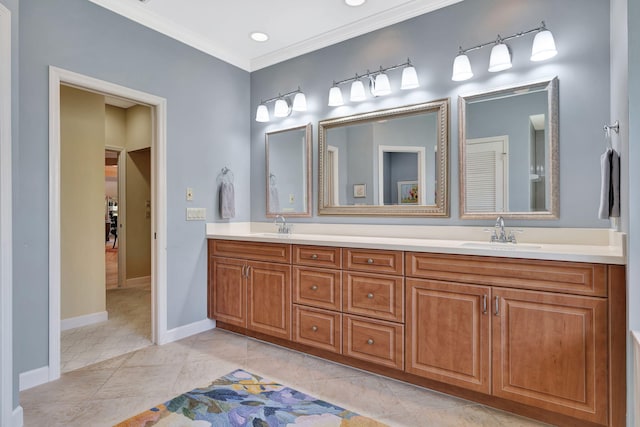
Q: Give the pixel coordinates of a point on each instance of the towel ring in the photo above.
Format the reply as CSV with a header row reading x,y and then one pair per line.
x,y
614,127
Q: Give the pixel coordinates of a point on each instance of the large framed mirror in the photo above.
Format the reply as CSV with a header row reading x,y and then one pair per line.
x,y
508,140
288,166
390,162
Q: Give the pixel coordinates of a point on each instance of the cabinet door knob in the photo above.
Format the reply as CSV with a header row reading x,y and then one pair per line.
x,y
314,328
370,295
314,256
314,287
370,341
370,261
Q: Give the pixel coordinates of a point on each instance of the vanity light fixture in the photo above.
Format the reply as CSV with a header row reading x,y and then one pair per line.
x,y
378,83
283,106
543,48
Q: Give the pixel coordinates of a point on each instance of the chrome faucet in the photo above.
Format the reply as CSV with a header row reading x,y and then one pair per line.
x,y
499,235
284,227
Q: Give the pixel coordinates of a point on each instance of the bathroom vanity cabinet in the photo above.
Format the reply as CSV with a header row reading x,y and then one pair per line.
x,y
537,337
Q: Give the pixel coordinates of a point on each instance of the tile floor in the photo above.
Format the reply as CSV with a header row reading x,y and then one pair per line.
x,y
111,391
128,329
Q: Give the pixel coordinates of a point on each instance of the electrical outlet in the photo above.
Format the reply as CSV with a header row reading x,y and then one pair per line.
x,y
189,193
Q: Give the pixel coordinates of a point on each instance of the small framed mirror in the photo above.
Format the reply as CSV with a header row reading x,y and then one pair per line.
x,y
288,161
508,151
390,162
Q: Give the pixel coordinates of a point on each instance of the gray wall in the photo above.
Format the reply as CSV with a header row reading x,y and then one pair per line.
x,y
431,41
207,113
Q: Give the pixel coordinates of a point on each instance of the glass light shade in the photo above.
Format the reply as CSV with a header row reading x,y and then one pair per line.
x,y
357,91
262,114
409,78
544,47
461,68
335,97
381,86
500,58
299,102
281,109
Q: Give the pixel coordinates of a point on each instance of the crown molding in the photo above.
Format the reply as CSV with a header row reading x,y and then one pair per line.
x,y
137,13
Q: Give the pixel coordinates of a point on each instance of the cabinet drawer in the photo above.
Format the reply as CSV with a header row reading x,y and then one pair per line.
x,y
375,341
259,251
317,256
375,261
374,295
317,287
556,276
317,328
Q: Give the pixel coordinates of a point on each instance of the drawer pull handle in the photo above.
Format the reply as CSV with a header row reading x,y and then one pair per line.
x,y
314,256
370,261
370,341
314,287
497,306
314,328
484,304
370,295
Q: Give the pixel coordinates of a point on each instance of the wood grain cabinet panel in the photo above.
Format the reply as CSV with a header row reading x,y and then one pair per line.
x,y
550,352
317,256
317,328
374,341
269,299
374,295
555,276
374,261
448,333
258,251
227,291
316,287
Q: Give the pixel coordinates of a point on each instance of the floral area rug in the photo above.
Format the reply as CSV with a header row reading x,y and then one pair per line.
x,y
242,399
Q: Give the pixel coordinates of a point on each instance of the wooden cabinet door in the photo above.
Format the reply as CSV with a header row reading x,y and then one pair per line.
x,y
550,351
269,299
227,291
449,333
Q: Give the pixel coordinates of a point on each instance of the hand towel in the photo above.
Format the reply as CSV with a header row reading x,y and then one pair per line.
x,y
227,200
614,196
274,199
605,184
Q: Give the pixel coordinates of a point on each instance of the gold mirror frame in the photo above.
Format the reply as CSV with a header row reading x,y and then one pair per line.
x,y
307,173
552,190
439,209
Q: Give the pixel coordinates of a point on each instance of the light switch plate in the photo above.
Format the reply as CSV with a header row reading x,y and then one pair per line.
x,y
196,214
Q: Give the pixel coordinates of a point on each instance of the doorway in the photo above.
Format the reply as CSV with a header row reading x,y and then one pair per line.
x,y
59,79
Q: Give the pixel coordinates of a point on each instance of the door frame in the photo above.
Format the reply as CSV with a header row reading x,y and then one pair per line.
x,y
122,209
6,243
58,76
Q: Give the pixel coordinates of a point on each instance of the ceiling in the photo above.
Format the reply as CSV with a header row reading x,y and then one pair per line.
x,y
222,28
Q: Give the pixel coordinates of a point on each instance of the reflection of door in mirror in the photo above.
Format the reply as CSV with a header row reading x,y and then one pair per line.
x,y
538,157
487,174
333,177
401,164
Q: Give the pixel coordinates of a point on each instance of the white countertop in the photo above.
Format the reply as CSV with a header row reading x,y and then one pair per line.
x,y
603,246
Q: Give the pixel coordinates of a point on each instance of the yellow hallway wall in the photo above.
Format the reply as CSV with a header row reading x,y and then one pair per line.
x,y
82,132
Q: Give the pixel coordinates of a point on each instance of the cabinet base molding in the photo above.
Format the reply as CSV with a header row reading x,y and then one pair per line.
x,y
503,404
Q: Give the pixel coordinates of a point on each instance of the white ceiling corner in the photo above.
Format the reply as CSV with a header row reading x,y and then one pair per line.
x,y
221,29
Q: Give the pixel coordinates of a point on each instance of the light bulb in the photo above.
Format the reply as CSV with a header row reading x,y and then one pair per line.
x,y
335,97
544,47
500,58
262,114
299,102
357,92
281,109
409,78
461,68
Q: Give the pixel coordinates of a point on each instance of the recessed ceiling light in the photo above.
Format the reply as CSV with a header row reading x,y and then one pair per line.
x,y
259,37
354,2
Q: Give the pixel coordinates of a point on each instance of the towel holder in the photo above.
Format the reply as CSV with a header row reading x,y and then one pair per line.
x,y
227,174
614,127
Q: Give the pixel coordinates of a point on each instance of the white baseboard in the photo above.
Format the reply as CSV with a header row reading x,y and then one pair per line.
x,y
34,378
85,320
138,282
17,419
186,331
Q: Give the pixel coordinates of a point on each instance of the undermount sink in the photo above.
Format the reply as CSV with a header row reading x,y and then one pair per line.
x,y
500,246
278,235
